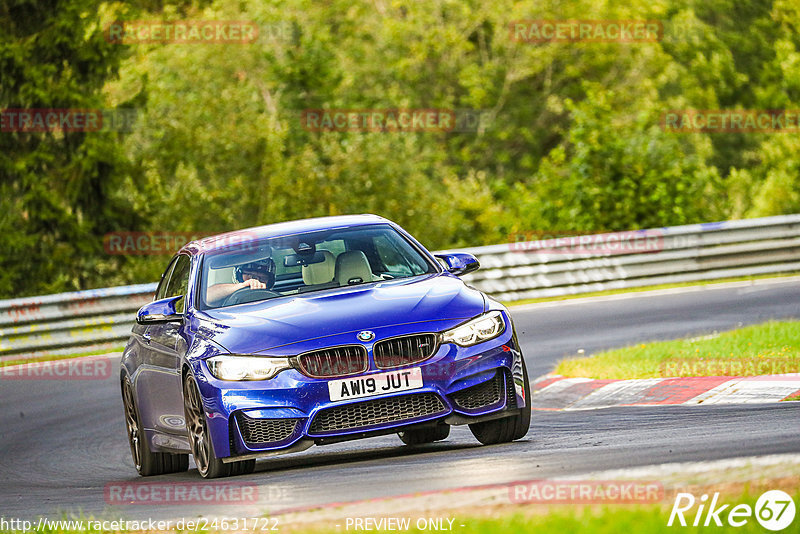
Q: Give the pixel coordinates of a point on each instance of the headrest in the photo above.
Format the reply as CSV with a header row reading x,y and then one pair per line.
x,y
322,272
352,268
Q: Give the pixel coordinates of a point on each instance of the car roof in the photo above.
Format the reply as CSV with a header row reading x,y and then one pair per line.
x,y
281,229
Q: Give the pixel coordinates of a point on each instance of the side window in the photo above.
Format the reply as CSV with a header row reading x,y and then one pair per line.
x,y
179,281
161,292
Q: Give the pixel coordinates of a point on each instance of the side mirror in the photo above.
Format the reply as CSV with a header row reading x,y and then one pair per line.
x,y
460,263
160,311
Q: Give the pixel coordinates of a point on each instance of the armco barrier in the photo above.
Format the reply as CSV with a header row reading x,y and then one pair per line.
x,y
685,254
70,322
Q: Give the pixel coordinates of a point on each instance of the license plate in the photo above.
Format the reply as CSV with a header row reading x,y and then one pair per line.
x,y
368,386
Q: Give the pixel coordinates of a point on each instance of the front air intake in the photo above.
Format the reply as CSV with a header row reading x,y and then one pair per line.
x,y
265,431
375,412
484,394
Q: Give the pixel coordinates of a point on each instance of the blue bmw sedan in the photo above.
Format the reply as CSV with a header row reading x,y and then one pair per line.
x,y
269,340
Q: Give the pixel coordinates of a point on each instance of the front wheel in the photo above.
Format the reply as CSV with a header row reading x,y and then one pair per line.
x,y
147,463
208,465
508,428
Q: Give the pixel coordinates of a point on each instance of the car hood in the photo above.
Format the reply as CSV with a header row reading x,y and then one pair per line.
x,y
258,327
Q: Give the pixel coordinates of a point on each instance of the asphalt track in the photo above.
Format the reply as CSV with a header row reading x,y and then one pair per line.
x,y
63,442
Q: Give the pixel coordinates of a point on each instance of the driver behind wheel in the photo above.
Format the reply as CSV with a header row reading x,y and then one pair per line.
x,y
254,275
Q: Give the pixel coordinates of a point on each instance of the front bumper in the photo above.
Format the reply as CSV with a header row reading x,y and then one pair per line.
x,y
290,412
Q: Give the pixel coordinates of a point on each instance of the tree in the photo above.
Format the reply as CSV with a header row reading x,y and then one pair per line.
x,y
58,189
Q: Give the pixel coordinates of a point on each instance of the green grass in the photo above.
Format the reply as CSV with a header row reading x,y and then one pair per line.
x,y
4,363
649,288
769,348
607,520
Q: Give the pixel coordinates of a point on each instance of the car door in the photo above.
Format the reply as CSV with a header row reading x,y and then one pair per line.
x,y
141,333
160,377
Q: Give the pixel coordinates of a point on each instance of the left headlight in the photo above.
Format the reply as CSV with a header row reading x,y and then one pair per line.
x,y
239,367
482,328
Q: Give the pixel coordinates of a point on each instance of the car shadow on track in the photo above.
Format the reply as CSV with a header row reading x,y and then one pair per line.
x,y
321,458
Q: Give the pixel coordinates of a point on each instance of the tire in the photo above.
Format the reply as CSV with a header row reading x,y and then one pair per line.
x,y
508,428
147,463
420,436
524,421
208,465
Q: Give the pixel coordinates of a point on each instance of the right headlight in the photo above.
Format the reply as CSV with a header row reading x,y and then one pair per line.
x,y
239,367
482,328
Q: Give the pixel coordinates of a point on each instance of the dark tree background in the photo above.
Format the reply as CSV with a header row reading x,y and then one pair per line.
x,y
570,138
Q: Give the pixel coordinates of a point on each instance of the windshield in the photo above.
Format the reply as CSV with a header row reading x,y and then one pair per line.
x,y
309,262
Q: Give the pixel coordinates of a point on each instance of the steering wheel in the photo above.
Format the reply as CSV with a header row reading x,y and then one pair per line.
x,y
243,295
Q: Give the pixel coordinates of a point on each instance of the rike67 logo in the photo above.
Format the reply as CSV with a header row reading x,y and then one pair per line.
x,y
774,510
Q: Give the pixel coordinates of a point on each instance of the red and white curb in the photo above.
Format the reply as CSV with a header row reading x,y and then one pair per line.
x,y
555,392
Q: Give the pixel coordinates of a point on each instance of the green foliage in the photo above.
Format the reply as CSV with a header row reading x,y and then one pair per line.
x,y
58,190
570,136
620,170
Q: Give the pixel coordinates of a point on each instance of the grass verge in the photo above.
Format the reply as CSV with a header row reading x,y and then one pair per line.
x,y
594,520
769,348
649,288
